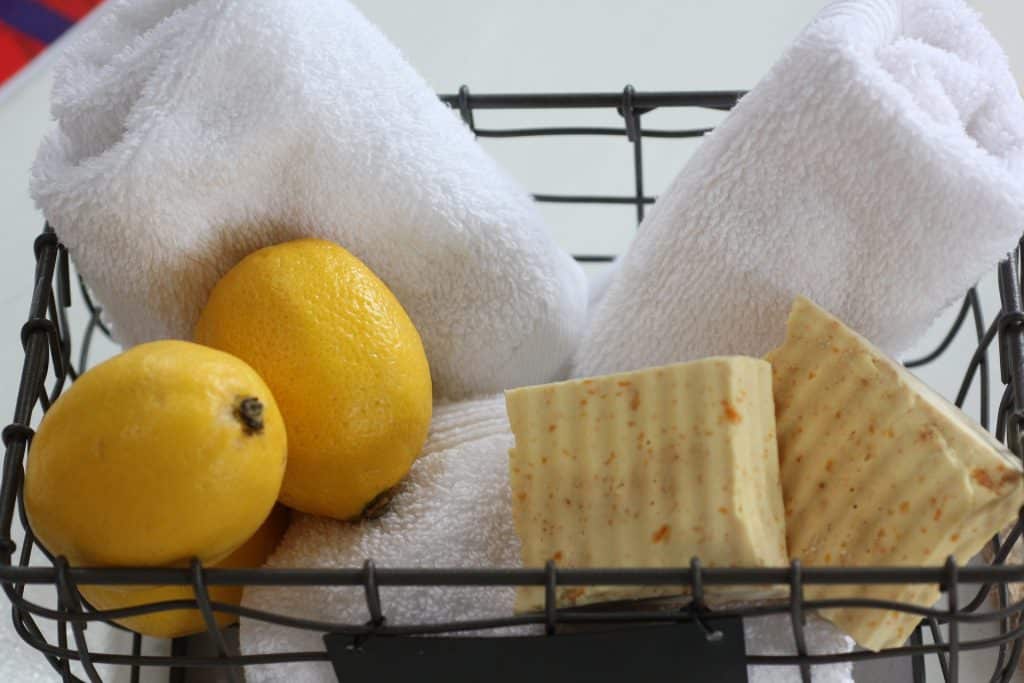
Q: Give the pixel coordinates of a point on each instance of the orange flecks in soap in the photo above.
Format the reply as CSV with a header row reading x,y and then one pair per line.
x,y
905,506
552,427
730,413
938,514
573,594
829,465
649,435
982,477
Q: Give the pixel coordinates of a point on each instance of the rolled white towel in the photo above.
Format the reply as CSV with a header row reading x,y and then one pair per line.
x,y
193,132
878,169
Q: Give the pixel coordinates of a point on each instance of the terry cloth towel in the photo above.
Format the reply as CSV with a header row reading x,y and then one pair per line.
x,y
454,510
193,132
878,168
773,635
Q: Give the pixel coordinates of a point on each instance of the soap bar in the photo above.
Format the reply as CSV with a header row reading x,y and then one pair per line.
x,y
879,470
647,469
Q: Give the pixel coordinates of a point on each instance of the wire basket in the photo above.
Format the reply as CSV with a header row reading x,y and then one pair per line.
x,y
49,365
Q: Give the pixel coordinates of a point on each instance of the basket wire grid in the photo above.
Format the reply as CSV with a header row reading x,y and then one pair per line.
x,y
49,366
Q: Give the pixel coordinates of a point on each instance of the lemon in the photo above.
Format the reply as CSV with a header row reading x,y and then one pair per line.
x,y
166,452
183,622
344,361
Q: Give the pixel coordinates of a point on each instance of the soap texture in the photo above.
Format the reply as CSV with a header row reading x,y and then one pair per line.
x,y
648,469
879,470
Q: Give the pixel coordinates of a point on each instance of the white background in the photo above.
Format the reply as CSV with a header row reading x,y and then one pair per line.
x,y
522,46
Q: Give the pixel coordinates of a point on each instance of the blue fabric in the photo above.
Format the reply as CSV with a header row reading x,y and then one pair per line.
x,y
33,19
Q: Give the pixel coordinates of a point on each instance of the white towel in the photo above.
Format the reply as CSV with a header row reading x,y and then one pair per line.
x,y
192,132
454,510
773,635
878,169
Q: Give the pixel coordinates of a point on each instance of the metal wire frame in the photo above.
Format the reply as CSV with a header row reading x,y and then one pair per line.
x,y
48,356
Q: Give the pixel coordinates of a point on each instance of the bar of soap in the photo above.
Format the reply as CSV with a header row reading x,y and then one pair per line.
x,y
879,470
647,469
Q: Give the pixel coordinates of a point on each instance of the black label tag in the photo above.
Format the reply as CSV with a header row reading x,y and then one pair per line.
x,y
677,652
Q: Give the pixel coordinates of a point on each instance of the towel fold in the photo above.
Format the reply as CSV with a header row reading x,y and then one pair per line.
x,y
193,132
454,510
878,168
773,635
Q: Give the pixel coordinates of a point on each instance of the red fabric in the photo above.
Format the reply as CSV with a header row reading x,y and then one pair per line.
x,y
72,9
16,50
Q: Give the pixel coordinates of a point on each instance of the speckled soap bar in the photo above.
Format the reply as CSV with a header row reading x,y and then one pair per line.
x,y
877,469
647,469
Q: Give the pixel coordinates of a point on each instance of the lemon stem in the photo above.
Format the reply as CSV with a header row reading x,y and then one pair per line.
x,y
379,505
250,413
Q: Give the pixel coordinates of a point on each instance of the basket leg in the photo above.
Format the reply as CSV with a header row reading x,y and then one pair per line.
x,y
136,652
179,648
212,629
67,592
796,617
917,661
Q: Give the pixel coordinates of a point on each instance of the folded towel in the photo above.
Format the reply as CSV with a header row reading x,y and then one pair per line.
x,y
452,511
192,132
773,635
878,169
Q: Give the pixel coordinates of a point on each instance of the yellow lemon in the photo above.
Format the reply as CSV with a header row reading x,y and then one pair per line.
x,y
166,452
183,622
344,361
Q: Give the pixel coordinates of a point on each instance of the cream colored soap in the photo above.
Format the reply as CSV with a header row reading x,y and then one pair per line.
x,y
647,469
877,469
